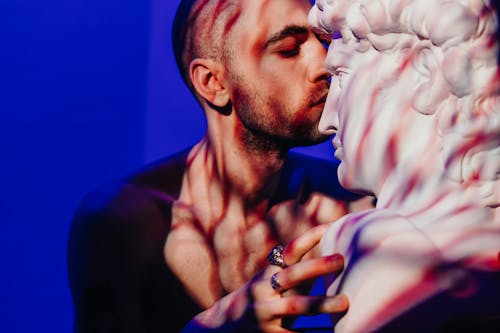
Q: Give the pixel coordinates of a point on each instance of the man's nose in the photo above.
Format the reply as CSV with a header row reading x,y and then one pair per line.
x,y
317,67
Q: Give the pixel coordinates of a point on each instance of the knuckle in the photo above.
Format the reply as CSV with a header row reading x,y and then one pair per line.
x,y
291,306
334,261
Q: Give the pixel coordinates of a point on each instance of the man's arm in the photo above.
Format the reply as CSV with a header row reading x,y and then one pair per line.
x,y
118,277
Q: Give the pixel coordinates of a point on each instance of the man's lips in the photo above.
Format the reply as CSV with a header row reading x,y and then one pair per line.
x,y
321,100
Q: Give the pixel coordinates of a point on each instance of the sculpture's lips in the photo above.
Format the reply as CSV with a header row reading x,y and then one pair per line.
x,y
336,142
339,153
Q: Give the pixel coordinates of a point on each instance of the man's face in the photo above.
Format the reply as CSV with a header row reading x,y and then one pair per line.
x,y
276,71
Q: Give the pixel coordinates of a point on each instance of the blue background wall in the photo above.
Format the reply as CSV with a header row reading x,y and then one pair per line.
x,y
88,92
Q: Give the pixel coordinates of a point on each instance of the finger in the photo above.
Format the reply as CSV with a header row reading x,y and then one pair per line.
x,y
294,275
297,248
302,305
261,287
275,328
324,209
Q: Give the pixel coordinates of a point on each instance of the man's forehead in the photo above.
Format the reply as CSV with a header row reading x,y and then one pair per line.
x,y
263,18
253,13
251,18
274,9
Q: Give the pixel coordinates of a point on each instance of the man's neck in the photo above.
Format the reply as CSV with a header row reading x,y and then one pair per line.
x,y
224,197
251,170
223,179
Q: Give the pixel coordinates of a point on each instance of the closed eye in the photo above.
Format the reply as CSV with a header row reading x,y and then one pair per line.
x,y
287,41
290,53
289,47
325,39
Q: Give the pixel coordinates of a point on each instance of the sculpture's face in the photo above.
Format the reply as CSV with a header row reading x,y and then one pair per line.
x,y
342,118
377,88
372,104
366,110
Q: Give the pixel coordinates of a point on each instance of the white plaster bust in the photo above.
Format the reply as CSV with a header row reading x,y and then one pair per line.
x,y
415,105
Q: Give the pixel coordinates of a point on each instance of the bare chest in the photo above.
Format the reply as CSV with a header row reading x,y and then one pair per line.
x,y
211,264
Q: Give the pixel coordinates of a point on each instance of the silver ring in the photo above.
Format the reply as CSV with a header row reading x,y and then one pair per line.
x,y
276,284
275,257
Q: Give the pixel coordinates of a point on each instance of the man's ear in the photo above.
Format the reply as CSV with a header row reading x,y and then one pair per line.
x,y
207,78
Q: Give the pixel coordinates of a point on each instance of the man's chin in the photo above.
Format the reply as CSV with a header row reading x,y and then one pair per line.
x,y
310,140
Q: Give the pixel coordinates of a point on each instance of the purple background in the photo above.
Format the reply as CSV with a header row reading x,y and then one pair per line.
x,y
88,92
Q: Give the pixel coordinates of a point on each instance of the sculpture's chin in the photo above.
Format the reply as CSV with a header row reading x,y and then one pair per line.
x,y
351,180
342,175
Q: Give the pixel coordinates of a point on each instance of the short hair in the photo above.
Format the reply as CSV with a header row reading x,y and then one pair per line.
x,y
197,31
178,32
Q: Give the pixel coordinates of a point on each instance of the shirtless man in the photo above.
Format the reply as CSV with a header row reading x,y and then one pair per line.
x,y
190,235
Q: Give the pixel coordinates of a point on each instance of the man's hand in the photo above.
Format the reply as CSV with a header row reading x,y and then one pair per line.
x,y
258,307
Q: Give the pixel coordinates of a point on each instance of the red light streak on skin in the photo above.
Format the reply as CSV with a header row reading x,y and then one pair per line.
x,y
231,21
199,7
221,7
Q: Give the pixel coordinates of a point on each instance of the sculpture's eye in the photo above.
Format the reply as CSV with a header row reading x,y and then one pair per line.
x,y
342,76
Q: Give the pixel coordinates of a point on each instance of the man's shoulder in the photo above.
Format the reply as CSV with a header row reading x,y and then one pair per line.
x,y
306,174
146,194
115,255
162,175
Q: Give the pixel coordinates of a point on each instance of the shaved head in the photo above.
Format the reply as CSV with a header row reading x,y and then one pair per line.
x,y
201,29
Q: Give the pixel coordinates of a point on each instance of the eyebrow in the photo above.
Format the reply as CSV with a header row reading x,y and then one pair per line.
x,y
290,30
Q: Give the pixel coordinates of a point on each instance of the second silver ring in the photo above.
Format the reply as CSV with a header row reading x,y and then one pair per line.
x,y
276,284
